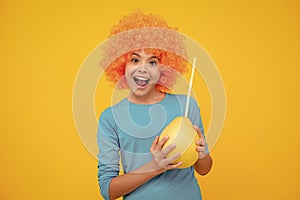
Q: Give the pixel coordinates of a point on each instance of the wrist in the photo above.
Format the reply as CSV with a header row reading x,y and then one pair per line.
x,y
203,156
151,168
156,169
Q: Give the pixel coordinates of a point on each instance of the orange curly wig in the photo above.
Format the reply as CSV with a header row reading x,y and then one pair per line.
x,y
173,64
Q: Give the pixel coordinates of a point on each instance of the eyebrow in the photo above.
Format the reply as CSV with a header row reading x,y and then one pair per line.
x,y
148,58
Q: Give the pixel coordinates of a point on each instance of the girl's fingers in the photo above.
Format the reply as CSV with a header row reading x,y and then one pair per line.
x,y
200,142
175,166
173,158
163,141
163,154
168,149
154,144
157,145
200,149
198,131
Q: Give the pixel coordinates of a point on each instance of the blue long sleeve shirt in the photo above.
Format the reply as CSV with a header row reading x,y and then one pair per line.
x,y
125,134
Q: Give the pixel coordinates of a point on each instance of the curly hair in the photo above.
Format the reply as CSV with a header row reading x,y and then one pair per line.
x,y
172,63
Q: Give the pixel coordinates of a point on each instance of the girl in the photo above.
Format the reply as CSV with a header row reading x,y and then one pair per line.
x,y
129,131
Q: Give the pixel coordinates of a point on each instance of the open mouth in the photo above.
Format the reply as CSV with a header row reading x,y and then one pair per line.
x,y
141,81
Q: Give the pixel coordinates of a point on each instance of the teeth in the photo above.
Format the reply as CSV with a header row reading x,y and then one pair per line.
x,y
141,78
141,81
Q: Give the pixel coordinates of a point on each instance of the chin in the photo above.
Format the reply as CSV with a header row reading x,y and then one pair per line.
x,y
143,92
140,93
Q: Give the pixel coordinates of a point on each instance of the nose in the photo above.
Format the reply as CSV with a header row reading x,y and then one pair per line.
x,y
142,69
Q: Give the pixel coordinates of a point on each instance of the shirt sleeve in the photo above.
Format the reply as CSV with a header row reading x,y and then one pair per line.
x,y
195,117
108,156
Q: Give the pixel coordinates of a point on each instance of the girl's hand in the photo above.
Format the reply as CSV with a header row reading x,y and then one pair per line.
x,y
201,144
159,160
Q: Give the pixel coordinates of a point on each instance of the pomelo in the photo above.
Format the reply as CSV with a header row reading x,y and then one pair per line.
x,y
181,132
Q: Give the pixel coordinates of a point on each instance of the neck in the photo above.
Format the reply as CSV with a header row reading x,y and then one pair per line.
x,y
150,98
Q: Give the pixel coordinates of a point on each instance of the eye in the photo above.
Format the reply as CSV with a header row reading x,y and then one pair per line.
x,y
153,62
134,60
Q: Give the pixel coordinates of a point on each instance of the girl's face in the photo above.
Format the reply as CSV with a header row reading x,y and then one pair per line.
x,y
142,72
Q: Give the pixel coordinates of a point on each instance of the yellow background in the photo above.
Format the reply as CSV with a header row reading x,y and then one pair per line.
x,y
255,45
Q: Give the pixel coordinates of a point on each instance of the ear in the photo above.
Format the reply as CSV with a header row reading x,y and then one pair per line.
x,y
122,84
162,79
